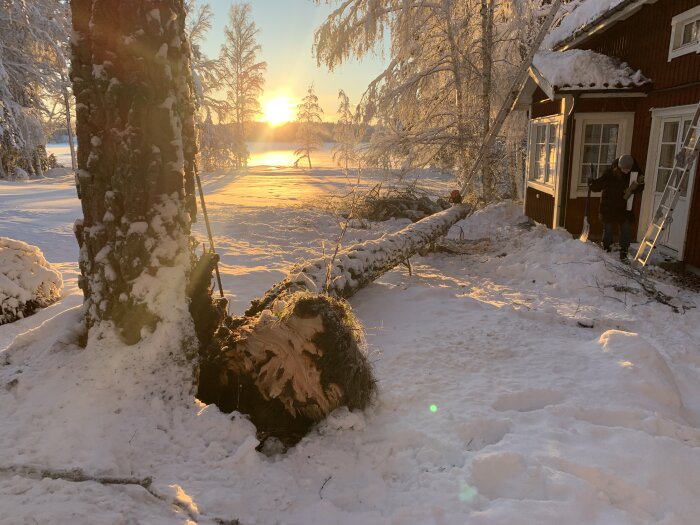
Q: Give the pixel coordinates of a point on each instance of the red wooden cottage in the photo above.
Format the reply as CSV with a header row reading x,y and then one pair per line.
x,y
623,77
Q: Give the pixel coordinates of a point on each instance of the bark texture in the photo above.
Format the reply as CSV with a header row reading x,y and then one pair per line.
x,y
136,146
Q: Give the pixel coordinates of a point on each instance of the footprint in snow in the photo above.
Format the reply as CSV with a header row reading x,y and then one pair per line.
x,y
480,433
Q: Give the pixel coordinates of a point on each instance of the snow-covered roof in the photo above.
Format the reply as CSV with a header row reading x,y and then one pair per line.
x,y
585,17
578,69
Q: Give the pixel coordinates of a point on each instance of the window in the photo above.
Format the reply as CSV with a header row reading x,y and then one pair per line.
x,y
599,138
672,136
599,149
685,33
545,148
690,33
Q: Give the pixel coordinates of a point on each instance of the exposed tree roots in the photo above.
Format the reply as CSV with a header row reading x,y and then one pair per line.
x,y
290,366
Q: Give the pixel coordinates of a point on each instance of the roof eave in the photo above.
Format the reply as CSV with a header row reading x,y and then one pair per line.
x,y
645,88
620,12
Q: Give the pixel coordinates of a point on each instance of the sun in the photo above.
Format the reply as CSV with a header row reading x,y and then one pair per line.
x,y
278,111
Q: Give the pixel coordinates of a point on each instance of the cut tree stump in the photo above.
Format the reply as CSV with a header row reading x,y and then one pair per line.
x,y
298,353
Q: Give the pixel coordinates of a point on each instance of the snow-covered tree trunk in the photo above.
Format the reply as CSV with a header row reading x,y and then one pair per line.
x,y
69,129
136,147
360,264
487,49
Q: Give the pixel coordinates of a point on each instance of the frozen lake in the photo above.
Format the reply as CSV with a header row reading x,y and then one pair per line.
x,y
270,154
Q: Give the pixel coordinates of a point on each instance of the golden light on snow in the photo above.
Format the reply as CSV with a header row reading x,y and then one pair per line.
x,y
278,157
626,364
278,111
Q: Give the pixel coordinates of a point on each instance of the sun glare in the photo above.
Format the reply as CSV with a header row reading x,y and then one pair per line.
x,y
278,111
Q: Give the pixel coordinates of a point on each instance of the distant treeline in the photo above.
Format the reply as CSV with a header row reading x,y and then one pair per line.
x,y
263,132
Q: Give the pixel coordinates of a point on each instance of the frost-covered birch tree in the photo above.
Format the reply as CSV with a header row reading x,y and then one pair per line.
x,y
132,81
243,74
33,38
309,134
448,60
208,81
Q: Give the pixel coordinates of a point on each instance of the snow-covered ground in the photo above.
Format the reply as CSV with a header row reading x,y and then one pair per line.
x,y
528,381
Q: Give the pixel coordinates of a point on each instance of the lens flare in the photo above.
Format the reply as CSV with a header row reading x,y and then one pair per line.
x,y
433,408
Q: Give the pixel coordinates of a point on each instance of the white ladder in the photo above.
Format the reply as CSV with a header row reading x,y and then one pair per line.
x,y
678,177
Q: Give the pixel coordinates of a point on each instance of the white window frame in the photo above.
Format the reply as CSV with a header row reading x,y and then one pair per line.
x,y
553,182
676,48
625,121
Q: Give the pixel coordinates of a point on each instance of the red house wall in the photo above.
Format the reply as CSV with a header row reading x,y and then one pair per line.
x,y
643,42
539,206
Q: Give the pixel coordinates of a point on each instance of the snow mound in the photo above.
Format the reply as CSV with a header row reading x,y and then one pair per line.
x,y
643,372
27,280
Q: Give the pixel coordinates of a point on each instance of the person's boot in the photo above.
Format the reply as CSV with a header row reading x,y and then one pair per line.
x,y
607,248
623,254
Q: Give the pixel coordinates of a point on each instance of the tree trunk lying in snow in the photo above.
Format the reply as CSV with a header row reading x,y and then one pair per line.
x,y
360,264
298,354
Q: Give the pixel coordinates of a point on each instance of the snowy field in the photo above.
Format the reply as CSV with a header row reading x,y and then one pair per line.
x,y
528,381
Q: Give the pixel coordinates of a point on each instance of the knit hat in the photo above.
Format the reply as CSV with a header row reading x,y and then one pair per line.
x,y
626,162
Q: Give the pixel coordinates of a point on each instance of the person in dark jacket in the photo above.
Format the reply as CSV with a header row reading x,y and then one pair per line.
x,y
616,188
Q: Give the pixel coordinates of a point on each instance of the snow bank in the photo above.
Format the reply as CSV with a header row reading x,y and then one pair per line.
x,y
578,68
27,281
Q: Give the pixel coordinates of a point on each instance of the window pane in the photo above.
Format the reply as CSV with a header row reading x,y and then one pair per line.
x,y
687,34
668,153
592,133
552,133
541,132
610,132
662,179
590,154
686,125
586,170
690,32
538,162
552,158
670,132
607,155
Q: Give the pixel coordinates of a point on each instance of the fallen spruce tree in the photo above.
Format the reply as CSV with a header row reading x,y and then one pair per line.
x,y
297,353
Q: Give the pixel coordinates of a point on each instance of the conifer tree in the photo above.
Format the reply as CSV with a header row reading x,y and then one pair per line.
x,y
309,134
345,133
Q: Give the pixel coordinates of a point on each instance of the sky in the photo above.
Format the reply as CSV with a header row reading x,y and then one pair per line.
x,y
286,35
